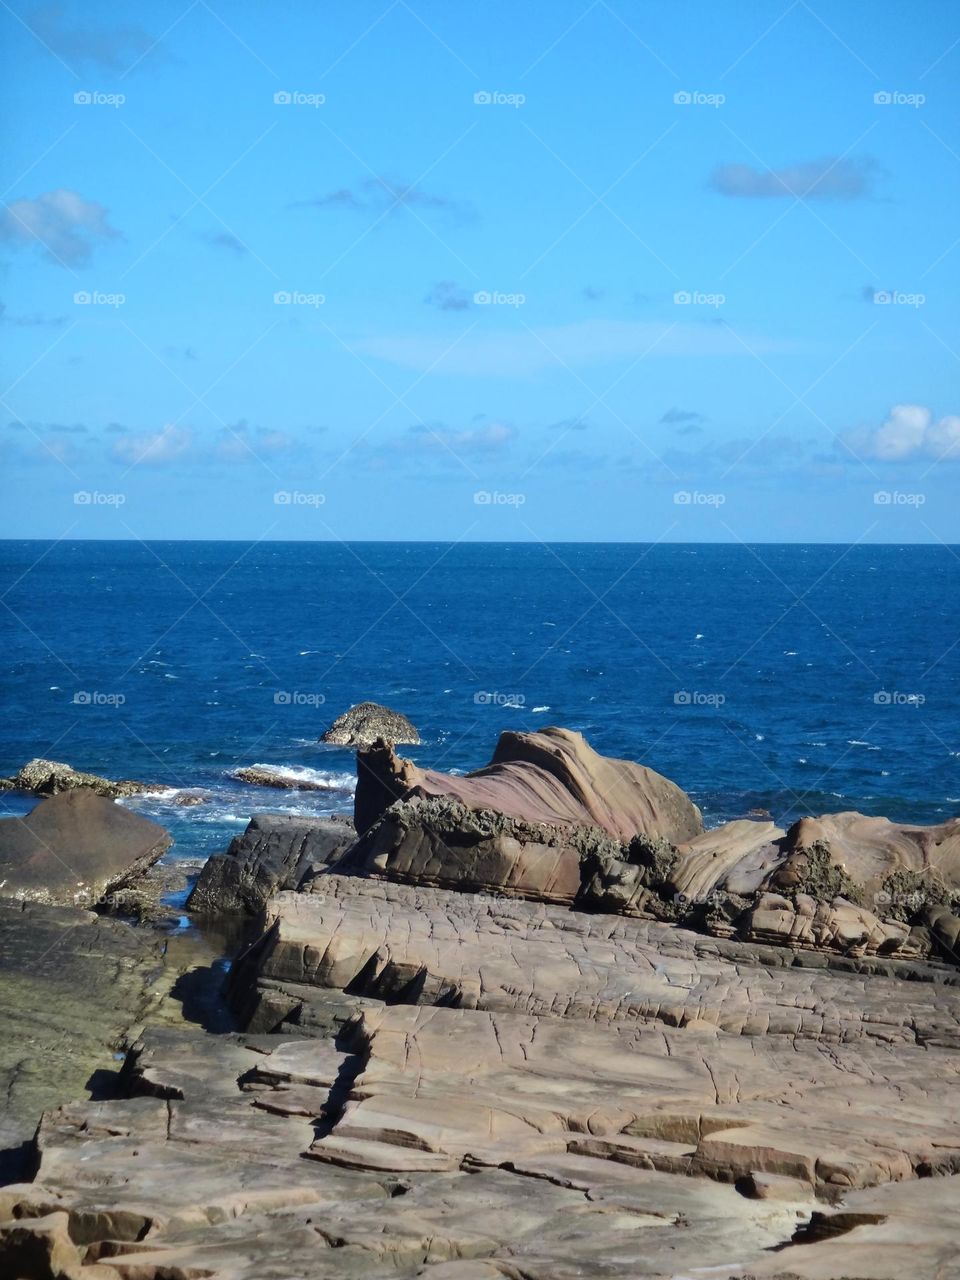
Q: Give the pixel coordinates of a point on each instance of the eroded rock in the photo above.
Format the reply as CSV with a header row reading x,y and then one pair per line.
x,y
369,722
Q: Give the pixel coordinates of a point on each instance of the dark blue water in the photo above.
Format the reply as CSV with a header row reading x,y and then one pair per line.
x,y
797,679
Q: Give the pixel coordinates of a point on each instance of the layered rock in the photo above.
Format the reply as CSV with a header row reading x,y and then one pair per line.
x,y
552,777
76,848
275,852
50,777
493,1088
369,722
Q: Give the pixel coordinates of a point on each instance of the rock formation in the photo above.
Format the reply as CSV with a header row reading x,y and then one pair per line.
x,y
553,777
50,777
76,849
275,852
369,722
536,1024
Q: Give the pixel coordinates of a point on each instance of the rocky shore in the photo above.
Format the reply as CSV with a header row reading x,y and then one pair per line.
x,y
533,1022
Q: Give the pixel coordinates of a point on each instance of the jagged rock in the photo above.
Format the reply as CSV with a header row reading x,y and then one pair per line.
x,y
434,840
552,777
50,777
76,849
275,852
369,722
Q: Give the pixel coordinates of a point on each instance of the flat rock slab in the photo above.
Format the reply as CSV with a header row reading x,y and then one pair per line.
x,y
71,984
75,848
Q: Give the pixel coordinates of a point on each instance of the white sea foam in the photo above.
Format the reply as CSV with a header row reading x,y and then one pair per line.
x,y
536,709
324,778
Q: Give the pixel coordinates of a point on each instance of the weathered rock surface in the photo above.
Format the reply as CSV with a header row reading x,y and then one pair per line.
x,y
468,1088
369,722
75,849
50,777
71,984
553,777
275,852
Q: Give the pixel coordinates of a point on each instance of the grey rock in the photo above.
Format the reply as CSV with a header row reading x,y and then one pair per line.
x,y
367,723
76,849
51,777
275,852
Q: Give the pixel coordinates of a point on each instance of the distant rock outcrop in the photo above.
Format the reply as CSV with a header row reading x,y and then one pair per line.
x,y
51,777
75,849
367,723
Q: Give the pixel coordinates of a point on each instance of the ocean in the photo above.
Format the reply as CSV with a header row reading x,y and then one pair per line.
x,y
785,678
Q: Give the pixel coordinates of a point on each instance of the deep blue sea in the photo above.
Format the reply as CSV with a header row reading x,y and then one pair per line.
x,y
795,679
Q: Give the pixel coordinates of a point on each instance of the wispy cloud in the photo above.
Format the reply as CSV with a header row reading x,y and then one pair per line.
x,y
34,321
108,48
447,296
226,240
687,421
153,448
61,223
387,195
832,178
510,353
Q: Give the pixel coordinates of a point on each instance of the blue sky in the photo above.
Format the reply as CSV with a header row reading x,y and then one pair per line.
x,y
722,272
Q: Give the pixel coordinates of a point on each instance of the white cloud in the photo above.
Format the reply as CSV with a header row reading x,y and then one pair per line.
x,y
153,448
909,431
65,225
472,440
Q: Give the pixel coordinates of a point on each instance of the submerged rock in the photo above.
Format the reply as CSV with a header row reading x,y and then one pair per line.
x,y
367,723
275,852
51,777
259,775
76,849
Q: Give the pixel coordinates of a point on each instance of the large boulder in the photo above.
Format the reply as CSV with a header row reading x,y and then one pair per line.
x,y
367,723
76,849
275,852
553,777
264,775
50,777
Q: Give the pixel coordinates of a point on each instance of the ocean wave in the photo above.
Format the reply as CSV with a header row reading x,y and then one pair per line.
x,y
325,778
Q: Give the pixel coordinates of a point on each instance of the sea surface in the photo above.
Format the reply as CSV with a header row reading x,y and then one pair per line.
x,y
791,679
